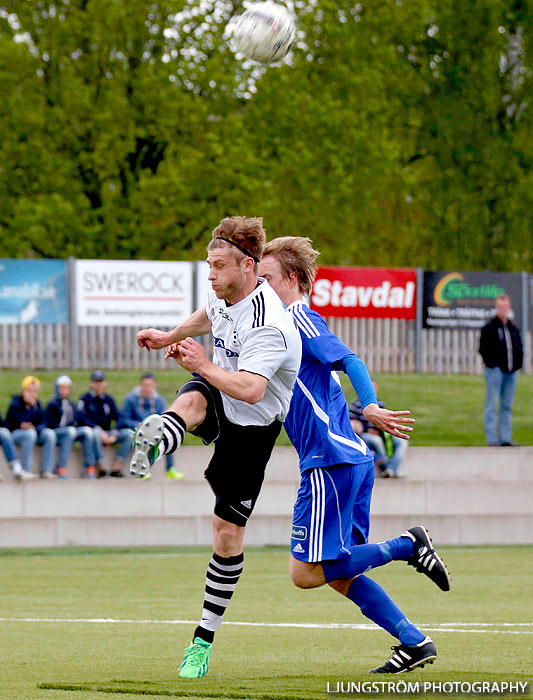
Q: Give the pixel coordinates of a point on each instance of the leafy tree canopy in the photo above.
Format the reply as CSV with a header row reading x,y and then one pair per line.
x,y
396,132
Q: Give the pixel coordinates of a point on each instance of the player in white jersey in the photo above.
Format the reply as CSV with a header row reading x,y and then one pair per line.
x,y
331,514
238,401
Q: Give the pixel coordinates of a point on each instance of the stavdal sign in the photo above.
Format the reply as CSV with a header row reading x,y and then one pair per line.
x,y
365,292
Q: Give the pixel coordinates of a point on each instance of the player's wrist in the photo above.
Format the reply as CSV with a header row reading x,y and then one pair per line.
x,y
204,368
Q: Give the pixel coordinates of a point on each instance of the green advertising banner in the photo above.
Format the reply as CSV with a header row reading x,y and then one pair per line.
x,y
466,299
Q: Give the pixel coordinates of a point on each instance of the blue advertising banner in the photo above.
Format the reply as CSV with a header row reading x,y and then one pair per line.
x,y
33,291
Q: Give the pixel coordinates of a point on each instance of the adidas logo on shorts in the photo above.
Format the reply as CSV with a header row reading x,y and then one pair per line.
x,y
298,549
247,504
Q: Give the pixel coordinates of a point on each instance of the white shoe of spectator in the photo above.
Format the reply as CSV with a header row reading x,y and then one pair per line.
x,y
25,476
16,468
48,475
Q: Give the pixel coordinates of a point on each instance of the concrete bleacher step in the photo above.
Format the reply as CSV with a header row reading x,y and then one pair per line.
x,y
263,529
427,463
127,497
463,495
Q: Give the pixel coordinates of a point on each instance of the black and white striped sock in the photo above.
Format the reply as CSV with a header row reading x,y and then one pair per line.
x,y
174,430
221,579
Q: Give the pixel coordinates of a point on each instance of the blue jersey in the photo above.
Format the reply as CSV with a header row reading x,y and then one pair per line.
x,y
318,424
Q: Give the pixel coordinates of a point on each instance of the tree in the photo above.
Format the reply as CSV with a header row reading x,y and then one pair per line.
x,y
396,133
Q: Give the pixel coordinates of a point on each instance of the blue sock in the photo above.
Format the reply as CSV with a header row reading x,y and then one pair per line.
x,y
376,604
364,557
399,548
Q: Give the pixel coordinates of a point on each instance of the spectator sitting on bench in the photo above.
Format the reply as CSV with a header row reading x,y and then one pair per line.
x,y
388,450
25,420
10,451
99,410
62,417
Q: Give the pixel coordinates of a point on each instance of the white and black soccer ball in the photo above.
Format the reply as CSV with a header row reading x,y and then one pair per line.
x,y
264,32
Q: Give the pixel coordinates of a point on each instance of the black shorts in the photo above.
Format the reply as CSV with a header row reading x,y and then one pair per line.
x,y
237,468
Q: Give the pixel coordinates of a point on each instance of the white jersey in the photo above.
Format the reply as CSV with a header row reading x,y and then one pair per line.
x,y
256,335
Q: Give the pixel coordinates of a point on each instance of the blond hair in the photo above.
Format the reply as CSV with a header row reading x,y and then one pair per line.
x,y
246,236
295,254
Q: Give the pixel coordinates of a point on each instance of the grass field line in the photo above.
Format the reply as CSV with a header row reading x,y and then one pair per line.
x,y
473,627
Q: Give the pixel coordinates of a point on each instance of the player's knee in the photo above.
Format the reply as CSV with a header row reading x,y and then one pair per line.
x,y
302,581
228,539
303,575
191,407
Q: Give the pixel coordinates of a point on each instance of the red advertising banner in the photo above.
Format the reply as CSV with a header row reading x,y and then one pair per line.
x,y
365,292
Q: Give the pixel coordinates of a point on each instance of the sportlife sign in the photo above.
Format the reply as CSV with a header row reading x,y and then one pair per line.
x,y
365,292
467,300
133,293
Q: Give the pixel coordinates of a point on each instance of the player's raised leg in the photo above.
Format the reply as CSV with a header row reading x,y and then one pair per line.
x,y
146,439
413,546
164,434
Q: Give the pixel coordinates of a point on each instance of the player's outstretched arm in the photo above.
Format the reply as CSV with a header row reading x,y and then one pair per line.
x,y
396,423
242,385
153,339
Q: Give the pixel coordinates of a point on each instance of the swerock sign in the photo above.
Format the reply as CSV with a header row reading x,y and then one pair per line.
x,y
133,293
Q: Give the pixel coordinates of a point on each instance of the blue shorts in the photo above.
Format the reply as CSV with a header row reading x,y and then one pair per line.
x,y
332,511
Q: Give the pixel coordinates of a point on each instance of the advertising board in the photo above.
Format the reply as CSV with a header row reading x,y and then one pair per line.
x,y
133,293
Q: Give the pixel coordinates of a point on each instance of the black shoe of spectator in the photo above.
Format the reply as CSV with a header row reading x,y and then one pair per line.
x,y
117,475
101,473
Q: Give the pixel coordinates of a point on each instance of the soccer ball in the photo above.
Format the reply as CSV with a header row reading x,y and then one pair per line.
x,y
264,32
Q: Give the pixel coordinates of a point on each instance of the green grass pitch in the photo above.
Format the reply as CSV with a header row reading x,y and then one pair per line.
x,y
80,624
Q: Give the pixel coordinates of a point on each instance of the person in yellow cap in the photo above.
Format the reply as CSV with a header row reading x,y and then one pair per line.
x,y
25,419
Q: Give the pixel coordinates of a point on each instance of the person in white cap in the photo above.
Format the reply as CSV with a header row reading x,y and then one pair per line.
x,y
61,416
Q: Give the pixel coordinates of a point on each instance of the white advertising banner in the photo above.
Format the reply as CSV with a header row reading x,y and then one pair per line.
x,y
203,286
140,293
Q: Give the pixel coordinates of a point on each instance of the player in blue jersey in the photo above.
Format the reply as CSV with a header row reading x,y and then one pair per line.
x,y
331,514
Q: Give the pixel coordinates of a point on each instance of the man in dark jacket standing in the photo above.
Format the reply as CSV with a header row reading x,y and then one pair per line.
x,y
501,348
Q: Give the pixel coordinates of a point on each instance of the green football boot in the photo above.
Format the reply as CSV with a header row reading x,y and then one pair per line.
x,y
146,441
195,662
